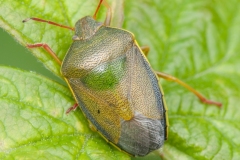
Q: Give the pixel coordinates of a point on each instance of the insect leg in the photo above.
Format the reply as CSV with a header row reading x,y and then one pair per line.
x,y
47,48
49,22
108,15
199,95
145,50
72,108
95,14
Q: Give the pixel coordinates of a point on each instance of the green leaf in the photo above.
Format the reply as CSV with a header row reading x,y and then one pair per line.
x,y
34,124
196,41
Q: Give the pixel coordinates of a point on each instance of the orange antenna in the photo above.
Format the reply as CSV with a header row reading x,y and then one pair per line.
x,y
95,14
46,21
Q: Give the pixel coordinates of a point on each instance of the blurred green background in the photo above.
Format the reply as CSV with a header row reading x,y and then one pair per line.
x,y
19,55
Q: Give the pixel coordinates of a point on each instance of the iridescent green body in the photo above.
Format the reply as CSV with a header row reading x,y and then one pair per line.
x,y
115,87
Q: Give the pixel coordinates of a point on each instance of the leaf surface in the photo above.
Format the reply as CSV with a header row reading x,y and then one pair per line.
x,y
196,41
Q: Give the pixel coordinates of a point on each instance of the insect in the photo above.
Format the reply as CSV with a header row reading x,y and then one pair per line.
x,y
115,86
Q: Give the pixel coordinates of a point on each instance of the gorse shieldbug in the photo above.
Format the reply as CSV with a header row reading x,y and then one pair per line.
x,y
114,85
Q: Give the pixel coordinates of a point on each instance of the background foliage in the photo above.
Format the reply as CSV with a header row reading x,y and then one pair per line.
x,y
196,41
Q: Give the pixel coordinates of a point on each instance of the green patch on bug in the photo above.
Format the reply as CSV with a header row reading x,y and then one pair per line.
x,y
105,76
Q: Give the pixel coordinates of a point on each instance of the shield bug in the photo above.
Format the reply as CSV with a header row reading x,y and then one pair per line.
x,y
115,86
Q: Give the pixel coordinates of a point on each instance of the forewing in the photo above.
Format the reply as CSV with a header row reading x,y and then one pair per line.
x,y
145,92
101,97
145,131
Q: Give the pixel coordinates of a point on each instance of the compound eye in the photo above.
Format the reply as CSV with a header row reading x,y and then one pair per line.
x,y
76,38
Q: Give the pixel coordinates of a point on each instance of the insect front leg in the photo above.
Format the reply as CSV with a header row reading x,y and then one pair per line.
x,y
45,46
55,57
47,21
108,15
48,49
